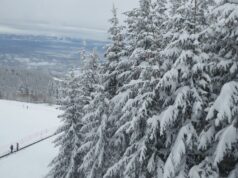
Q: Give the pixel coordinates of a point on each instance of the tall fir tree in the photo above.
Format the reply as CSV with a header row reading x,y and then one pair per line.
x,y
115,51
65,164
94,129
78,95
182,90
220,136
133,103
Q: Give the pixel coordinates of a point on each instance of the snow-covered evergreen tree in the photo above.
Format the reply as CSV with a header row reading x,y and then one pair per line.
x,y
183,89
115,49
114,53
95,142
78,92
65,164
133,103
220,136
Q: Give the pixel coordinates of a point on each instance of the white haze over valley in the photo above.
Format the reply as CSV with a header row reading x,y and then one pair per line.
x,y
80,18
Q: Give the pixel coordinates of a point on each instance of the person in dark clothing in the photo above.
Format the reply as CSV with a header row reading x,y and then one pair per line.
x,y
17,145
11,148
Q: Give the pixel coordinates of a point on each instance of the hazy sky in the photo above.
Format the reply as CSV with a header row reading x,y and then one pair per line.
x,y
54,17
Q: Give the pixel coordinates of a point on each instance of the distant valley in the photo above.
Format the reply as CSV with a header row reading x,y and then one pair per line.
x,y
30,64
55,54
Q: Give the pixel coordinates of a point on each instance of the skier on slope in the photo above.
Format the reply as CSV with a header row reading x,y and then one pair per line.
x,y
11,148
17,146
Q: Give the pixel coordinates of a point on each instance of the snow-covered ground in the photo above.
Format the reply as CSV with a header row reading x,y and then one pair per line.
x,y
26,123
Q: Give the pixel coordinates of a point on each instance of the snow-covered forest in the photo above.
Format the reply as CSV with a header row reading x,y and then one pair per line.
x,y
28,85
165,102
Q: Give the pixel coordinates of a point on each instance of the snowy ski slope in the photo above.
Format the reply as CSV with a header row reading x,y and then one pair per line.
x,y
26,123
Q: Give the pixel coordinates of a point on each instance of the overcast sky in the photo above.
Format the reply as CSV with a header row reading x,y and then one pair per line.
x,y
83,18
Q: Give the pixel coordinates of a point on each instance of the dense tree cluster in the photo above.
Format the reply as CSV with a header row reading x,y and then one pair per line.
x,y
165,102
29,85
